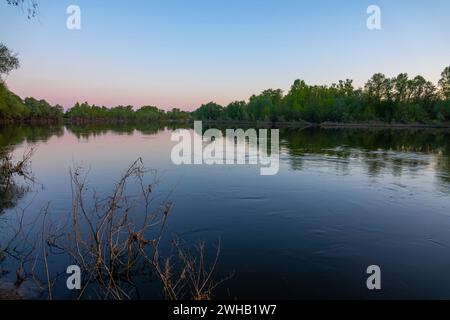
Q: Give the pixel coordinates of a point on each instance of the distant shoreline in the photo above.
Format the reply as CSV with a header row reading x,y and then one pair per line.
x,y
231,123
331,125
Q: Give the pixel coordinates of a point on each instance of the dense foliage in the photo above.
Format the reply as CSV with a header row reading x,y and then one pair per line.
x,y
13,108
87,113
392,100
8,60
399,99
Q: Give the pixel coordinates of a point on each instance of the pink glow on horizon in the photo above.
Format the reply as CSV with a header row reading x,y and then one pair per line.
x,y
64,94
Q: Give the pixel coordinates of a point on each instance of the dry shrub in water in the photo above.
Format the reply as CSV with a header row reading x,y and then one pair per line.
x,y
116,241
188,274
9,168
10,191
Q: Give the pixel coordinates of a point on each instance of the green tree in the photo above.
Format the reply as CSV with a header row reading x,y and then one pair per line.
x,y
376,87
294,101
236,111
150,113
11,105
209,111
401,88
444,82
8,61
178,115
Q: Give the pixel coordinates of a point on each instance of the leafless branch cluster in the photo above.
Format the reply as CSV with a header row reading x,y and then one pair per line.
x,y
106,238
116,240
188,275
9,169
21,246
29,6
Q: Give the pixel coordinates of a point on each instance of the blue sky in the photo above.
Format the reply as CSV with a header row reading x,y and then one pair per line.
x,y
183,53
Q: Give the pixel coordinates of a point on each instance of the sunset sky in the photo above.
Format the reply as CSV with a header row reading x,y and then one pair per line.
x,y
184,53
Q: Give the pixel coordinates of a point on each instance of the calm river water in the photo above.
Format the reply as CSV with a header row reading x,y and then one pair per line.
x,y
343,199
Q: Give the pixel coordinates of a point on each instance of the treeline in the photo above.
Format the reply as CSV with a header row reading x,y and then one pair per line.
x,y
393,100
14,109
91,113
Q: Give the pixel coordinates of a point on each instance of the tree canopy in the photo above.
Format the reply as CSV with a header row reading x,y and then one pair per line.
x,y
8,61
399,99
444,83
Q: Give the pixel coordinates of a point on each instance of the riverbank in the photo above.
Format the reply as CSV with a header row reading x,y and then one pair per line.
x,y
234,124
328,125
385,125
106,121
33,122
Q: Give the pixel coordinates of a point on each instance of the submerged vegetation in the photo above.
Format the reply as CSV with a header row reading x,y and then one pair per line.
x,y
118,242
10,191
143,260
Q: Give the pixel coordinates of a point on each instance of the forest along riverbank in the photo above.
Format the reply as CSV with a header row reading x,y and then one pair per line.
x,y
225,123
328,125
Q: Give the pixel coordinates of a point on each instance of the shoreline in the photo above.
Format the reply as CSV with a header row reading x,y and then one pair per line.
x,y
257,124
331,125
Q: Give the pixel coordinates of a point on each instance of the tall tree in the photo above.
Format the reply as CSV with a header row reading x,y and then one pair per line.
x,y
8,61
401,88
376,86
444,83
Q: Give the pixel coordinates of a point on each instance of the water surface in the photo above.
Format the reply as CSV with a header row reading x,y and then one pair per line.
x,y
343,199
